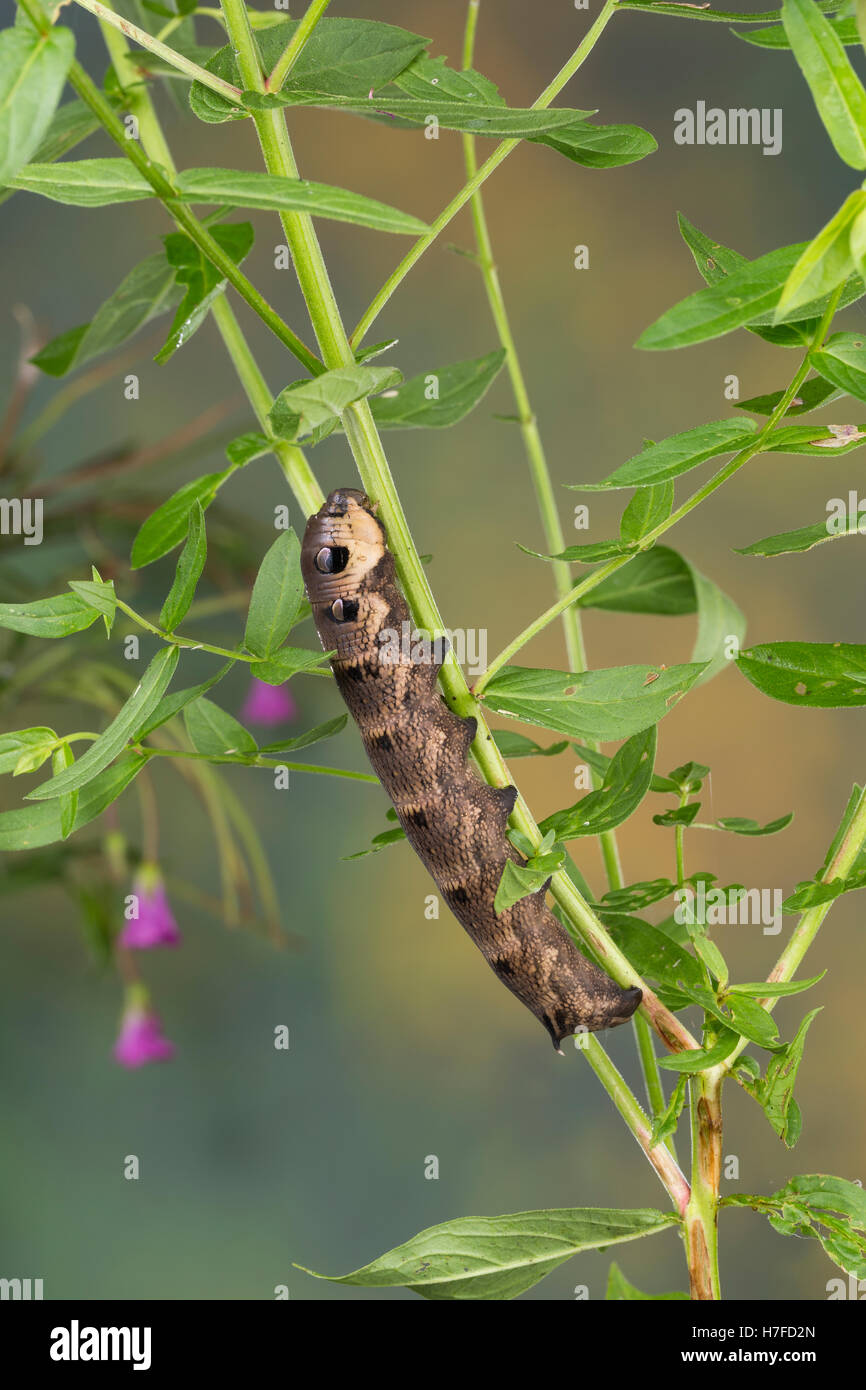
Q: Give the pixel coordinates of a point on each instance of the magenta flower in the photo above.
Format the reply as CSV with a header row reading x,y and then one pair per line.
x,y
140,1039
153,923
268,704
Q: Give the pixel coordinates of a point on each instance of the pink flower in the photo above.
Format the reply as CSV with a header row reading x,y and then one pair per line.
x,y
153,923
268,704
140,1039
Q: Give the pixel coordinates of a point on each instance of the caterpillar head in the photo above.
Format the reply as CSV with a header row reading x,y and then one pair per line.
x,y
342,551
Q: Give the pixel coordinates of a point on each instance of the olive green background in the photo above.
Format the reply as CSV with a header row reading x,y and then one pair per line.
x,y
403,1044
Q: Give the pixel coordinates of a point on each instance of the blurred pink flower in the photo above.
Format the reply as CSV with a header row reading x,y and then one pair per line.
x,y
268,704
140,1039
154,923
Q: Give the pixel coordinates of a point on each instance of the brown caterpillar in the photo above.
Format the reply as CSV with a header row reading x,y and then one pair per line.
x,y
418,748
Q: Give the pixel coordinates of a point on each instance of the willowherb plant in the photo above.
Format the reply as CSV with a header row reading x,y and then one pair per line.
x,y
264,66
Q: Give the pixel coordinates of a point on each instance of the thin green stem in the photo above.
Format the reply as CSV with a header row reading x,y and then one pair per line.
x,y
718,480
294,48
700,1231
106,15
192,644
660,1157
256,762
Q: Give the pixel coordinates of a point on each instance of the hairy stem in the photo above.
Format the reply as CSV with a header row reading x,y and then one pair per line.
x,y
701,1214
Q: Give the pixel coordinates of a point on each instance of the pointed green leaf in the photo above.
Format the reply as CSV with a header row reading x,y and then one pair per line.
x,y
276,597
48,617
826,262
835,87
33,70
188,573
500,1257
626,783
309,405
676,455
458,388
39,823
166,527
819,675
213,730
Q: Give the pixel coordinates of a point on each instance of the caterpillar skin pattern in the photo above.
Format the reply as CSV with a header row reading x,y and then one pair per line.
x,y
418,748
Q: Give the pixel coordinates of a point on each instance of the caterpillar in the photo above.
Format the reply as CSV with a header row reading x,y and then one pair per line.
x,y
418,748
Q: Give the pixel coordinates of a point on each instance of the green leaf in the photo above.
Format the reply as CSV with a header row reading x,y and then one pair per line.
x,y
188,573
99,182
619,1290
775,1093
314,735
348,57
744,825
831,1210
21,741
655,581
458,389
64,758
665,1123
827,260
244,188
500,1257
200,279
41,823
599,705
649,508
86,183
775,37
835,87
48,617
586,554
170,705
276,597
287,662
166,527
147,291
721,627
817,441
432,77
512,745
112,740
248,447
379,842
680,815
98,595
700,1058
813,393
762,989
212,730
518,881
626,783
793,542
306,406
676,455
600,147
715,262
745,297
820,675
473,117
33,70
842,361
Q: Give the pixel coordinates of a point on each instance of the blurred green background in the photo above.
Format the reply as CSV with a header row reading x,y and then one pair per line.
x,y
403,1044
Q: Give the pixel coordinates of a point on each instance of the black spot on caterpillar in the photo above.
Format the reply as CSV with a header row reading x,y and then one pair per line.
x,y
418,747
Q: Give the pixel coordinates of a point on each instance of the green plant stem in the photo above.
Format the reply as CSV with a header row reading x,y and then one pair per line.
x,y
294,48
366,446
551,525
191,643
159,179
502,151
660,1157
106,15
715,482
701,1215
256,762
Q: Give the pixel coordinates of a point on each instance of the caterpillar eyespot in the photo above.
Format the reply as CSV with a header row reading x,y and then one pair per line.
x,y
418,747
